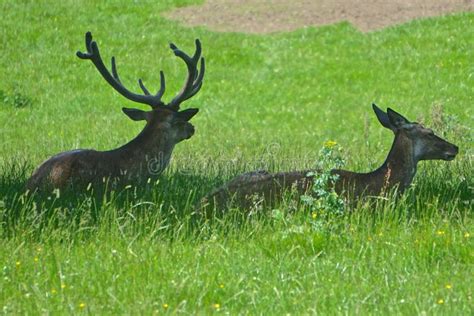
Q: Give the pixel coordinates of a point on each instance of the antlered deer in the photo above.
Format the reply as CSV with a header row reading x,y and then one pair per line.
x,y
148,153
412,143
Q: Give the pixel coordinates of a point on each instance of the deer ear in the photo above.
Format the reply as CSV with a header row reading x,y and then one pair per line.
x,y
396,119
135,114
382,116
187,114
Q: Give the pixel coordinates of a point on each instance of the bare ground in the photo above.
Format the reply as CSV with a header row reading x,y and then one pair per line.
x,y
268,16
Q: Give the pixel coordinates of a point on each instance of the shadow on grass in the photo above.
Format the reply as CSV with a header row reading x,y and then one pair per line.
x,y
166,201
165,206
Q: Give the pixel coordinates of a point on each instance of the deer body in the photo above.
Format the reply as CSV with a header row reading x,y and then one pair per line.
x,y
262,184
148,154
143,156
412,144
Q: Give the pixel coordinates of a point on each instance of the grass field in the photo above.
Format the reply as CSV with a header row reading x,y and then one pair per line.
x,y
268,101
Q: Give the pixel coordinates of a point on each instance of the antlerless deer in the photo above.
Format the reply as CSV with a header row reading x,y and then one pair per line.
x,y
412,143
148,153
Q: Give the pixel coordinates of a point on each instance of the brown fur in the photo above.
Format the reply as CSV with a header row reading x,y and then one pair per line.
x,y
145,156
267,186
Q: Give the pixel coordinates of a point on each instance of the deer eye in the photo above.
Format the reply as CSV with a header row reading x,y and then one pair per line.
x,y
179,122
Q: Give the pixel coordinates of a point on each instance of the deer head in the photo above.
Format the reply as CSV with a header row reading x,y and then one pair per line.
x,y
163,117
425,144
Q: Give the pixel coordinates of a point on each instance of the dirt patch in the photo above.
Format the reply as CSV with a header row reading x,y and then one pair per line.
x,y
268,16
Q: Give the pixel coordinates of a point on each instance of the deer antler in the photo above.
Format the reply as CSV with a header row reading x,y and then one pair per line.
x,y
192,85
194,80
114,80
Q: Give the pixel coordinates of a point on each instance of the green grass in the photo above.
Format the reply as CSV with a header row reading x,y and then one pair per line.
x,y
267,101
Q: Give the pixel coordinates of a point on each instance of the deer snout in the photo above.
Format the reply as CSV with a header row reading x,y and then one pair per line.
x,y
190,130
451,153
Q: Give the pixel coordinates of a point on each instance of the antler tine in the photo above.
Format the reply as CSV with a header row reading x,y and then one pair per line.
x,y
198,80
160,92
114,69
142,86
114,80
194,80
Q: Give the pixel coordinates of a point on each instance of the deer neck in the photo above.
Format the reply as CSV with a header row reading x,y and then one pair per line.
x,y
398,169
400,166
148,154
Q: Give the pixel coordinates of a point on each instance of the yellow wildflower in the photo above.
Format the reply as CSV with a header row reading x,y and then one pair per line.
x,y
329,144
314,215
448,286
36,259
82,305
440,301
63,286
467,235
18,264
216,306
53,291
440,232
165,306
221,286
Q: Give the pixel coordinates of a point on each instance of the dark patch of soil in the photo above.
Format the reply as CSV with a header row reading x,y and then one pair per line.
x,y
268,16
